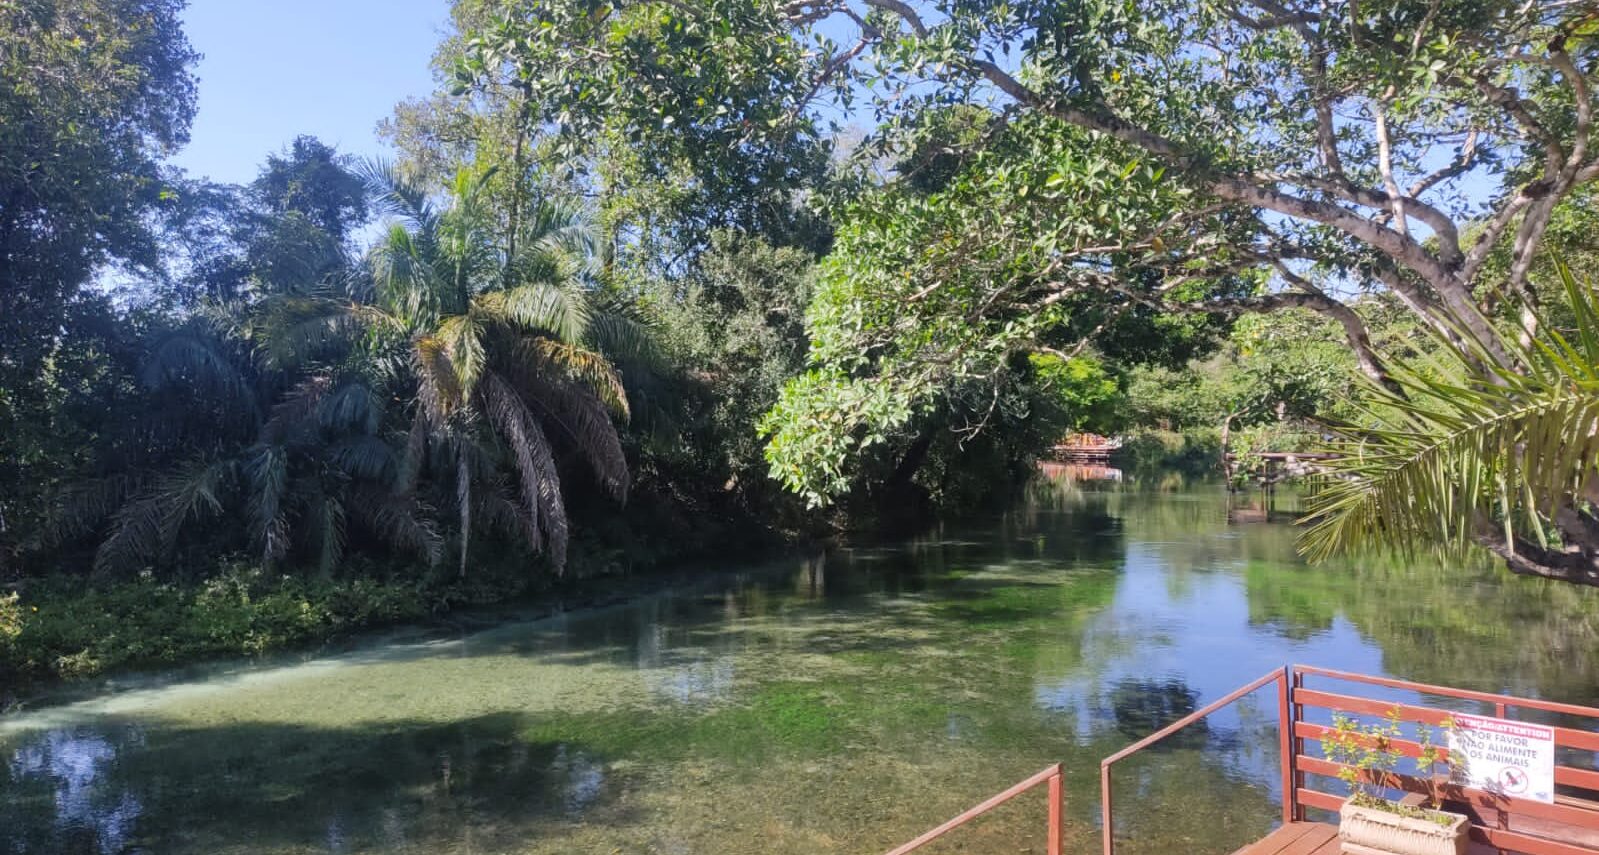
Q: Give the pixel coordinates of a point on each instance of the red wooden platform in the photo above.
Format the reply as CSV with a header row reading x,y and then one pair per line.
x,y
1297,838
1499,823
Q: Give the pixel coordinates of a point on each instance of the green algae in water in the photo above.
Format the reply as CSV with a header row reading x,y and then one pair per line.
x,y
839,706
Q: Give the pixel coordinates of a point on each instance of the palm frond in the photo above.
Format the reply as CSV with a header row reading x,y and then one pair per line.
x,y
85,505
578,365
296,412
353,406
395,194
198,361
399,521
292,331
462,338
538,307
364,457
405,277
556,229
266,473
535,463
145,530
501,511
438,384
583,420
1468,449
620,337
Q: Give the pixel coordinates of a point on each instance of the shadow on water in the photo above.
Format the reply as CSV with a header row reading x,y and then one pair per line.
x,y
1141,707
147,786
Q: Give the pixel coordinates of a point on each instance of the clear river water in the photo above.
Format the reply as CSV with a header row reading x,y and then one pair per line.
x,y
836,703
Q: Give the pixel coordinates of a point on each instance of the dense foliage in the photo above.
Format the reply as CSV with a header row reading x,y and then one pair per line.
x,y
95,94
629,292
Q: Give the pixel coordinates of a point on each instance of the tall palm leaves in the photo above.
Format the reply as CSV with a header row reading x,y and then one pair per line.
x,y
444,370
501,350
224,432
1466,451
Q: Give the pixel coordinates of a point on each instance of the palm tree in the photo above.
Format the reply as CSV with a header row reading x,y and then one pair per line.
x,y
1466,449
504,344
445,355
223,434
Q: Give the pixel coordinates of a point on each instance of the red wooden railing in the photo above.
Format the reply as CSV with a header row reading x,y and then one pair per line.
x,y
1054,776
1568,826
1106,806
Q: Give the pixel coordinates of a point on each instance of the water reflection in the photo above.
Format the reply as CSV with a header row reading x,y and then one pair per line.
x,y
842,703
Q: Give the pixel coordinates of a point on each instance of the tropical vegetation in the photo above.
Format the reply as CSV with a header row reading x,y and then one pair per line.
x,y
647,281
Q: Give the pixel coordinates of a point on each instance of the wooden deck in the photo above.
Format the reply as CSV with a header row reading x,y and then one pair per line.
x,y
1320,838
1297,838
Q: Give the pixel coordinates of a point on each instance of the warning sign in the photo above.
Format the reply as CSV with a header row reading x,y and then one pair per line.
x,y
1509,758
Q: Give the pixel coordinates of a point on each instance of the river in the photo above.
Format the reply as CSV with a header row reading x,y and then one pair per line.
x,y
837,703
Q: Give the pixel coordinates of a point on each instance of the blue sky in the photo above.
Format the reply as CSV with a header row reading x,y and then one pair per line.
x,y
274,69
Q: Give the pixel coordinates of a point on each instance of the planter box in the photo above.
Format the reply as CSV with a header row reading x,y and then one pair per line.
x,y
1372,831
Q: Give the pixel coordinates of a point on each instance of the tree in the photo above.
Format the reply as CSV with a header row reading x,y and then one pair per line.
x,y
929,298
1466,451
734,327
501,347
281,458
288,230
1301,133
312,179
598,94
95,91
1314,148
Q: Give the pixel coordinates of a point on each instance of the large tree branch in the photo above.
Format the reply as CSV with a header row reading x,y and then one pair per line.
x,y
1536,222
1403,249
1526,559
1518,110
1355,331
1314,300
1385,167
1442,224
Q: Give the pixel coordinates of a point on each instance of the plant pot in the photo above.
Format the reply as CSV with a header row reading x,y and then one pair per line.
x,y
1364,830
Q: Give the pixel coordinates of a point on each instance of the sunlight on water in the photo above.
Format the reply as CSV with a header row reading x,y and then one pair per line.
x,y
841,704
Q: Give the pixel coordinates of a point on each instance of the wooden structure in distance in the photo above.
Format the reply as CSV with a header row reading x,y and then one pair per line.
x,y
1085,447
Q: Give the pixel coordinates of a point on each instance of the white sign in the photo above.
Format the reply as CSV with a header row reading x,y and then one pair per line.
x,y
1507,758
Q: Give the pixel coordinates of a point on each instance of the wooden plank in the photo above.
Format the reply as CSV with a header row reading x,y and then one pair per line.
x,y
1583,778
1318,799
1480,799
1501,839
1273,843
1320,835
1580,739
1450,692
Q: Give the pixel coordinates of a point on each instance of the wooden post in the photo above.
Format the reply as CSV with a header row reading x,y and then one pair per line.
x,y
1057,804
1285,741
1108,830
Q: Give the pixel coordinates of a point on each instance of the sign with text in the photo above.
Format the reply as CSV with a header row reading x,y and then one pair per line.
x,y
1508,758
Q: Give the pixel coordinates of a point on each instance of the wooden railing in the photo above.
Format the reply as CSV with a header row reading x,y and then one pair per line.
x,y
1567,826
1106,804
1054,776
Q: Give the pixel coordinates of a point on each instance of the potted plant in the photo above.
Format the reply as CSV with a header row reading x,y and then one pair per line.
x,y
1369,823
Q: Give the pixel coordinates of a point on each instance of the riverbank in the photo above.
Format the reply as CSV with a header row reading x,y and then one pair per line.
x,y
56,630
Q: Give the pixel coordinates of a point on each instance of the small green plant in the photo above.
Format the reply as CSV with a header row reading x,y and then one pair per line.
x,y
10,618
1369,755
